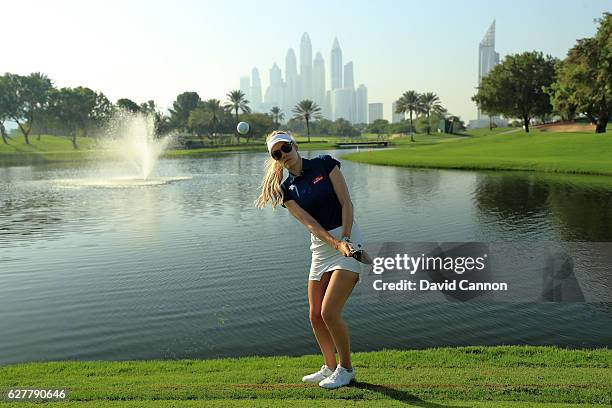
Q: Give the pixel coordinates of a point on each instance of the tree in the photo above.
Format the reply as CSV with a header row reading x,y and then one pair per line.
x,y
128,105
378,127
4,106
409,102
148,107
200,122
28,96
237,101
430,103
517,87
277,115
75,108
214,107
457,124
181,109
584,78
306,110
260,124
343,127
322,126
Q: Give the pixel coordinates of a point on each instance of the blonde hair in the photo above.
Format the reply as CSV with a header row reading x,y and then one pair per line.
x,y
271,184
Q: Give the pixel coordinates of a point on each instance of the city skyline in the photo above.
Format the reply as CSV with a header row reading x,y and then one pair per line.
x,y
151,50
342,99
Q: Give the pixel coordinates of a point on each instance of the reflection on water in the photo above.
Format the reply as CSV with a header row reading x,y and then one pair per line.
x,y
189,268
117,182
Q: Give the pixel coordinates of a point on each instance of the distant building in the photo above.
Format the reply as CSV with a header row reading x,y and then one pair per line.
x,y
245,87
375,112
291,82
318,80
327,110
274,93
487,56
487,59
305,67
256,98
396,117
307,79
361,104
336,66
341,102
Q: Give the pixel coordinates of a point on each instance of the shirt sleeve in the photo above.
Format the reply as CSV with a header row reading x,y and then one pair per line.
x,y
329,163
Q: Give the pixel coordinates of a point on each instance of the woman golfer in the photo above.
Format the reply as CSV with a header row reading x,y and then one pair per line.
x,y
316,194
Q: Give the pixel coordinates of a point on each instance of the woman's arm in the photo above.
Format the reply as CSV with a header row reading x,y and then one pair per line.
x,y
315,228
337,180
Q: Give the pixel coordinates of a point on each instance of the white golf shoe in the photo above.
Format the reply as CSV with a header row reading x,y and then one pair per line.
x,y
339,378
322,374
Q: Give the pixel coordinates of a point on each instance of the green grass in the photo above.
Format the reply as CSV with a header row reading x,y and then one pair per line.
x,y
572,152
59,149
501,376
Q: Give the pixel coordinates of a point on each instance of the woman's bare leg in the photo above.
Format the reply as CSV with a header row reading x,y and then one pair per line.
x,y
338,290
316,292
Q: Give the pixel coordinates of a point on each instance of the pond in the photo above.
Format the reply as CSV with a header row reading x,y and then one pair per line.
x,y
189,268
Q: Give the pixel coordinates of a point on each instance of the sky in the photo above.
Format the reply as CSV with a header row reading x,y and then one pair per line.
x,y
157,49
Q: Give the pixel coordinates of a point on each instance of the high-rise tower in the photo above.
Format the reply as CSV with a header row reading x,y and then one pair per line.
x,y
255,90
487,57
318,80
291,81
305,67
336,66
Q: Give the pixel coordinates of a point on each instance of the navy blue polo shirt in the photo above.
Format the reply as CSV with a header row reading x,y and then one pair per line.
x,y
314,192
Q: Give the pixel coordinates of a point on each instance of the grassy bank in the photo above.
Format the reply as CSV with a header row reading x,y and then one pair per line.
x,y
59,149
503,376
568,152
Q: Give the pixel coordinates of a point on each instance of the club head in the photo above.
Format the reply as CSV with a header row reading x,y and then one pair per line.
x,y
362,256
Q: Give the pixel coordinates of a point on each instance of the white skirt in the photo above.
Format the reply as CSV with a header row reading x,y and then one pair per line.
x,y
325,258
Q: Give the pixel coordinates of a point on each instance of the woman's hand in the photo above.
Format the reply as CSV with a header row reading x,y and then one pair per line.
x,y
344,248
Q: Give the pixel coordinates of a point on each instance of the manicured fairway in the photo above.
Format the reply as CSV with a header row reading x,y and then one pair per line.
x,y
503,376
567,152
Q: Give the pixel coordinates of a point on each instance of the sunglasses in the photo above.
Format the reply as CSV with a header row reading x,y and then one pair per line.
x,y
285,148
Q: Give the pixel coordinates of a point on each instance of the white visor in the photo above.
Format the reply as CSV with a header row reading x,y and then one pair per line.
x,y
279,137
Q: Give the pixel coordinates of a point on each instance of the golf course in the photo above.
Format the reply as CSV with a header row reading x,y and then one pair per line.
x,y
577,152
499,376
502,149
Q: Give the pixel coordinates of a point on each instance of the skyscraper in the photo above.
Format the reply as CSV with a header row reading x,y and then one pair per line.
x,y
487,57
396,117
245,87
349,84
291,79
274,93
349,81
306,67
375,112
306,79
327,106
255,90
361,104
336,66
318,80
341,101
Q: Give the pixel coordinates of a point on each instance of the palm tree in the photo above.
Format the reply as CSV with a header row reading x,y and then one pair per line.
x,y
306,110
237,101
213,106
430,103
408,102
277,115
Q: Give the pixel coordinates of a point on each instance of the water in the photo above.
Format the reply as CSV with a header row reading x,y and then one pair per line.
x,y
188,268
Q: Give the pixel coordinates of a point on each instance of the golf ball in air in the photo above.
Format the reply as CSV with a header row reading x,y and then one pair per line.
x,y
243,128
